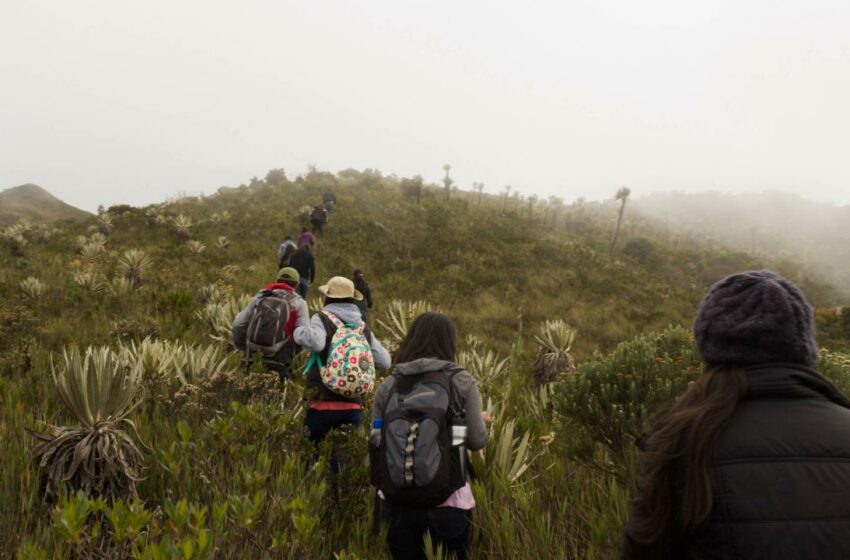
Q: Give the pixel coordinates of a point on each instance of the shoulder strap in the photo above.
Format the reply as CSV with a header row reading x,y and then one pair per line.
x,y
334,319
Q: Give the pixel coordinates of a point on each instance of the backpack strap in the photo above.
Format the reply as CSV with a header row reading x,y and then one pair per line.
x,y
331,323
359,326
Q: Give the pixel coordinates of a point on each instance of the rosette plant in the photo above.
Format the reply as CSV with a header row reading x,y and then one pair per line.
x,y
100,455
554,358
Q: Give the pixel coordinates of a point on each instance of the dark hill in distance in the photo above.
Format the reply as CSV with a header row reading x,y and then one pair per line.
x,y
35,204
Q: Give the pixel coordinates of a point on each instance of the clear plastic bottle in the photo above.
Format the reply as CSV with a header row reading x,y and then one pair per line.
x,y
375,434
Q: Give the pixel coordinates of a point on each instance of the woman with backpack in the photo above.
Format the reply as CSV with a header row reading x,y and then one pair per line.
x,y
343,406
753,461
427,405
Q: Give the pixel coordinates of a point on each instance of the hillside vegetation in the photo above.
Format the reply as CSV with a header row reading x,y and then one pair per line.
x,y
226,468
33,203
778,225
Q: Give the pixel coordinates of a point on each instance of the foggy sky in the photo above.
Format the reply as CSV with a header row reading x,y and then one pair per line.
x,y
109,102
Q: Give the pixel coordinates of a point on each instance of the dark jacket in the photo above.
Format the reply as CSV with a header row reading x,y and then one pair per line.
x,y
781,475
302,260
366,303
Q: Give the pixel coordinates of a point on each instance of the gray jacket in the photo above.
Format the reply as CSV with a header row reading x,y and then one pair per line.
x,y
313,336
465,388
239,329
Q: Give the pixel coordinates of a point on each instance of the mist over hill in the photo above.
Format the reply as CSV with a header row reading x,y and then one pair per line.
x,y
777,225
35,204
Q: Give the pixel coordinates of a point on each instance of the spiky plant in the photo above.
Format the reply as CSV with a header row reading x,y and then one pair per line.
x,y
554,359
222,242
17,232
229,271
92,252
156,357
219,316
196,247
133,265
211,293
89,281
98,238
485,365
195,364
98,456
105,223
120,287
79,242
183,226
32,287
509,454
397,318
14,238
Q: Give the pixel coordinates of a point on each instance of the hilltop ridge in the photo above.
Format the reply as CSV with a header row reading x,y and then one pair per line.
x,y
35,204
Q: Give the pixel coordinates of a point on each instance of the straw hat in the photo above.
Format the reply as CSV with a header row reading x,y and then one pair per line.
x,y
340,287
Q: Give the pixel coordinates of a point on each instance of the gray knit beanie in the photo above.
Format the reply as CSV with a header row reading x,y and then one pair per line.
x,y
755,317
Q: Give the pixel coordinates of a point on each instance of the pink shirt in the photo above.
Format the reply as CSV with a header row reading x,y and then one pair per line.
x,y
461,498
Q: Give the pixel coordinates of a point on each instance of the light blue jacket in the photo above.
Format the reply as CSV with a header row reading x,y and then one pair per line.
x,y
314,338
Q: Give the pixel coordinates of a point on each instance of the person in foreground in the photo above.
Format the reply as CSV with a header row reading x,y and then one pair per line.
x,y
753,461
418,450
333,405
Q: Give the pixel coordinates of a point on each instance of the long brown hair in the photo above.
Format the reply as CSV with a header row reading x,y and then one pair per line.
x,y
674,492
431,335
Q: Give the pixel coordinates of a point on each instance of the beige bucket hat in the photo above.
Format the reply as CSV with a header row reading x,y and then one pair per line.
x,y
340,287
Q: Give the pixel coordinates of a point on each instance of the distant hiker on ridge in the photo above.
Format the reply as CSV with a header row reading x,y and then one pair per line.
x,y
266,325
318,218
329,200
752,460
306,237
303,261
285,250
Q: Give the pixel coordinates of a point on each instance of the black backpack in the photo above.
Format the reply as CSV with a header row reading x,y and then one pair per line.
x,y
318,215
415,463
267,325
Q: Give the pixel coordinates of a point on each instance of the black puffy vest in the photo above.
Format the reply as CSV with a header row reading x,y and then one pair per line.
x,y
781,474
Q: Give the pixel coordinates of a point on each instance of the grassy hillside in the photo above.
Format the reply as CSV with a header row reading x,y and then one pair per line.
x,y
33,203
775,224
225,457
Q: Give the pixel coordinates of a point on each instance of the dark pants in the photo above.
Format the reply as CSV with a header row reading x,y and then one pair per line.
x,y
303,286
407,526
320,422
281,362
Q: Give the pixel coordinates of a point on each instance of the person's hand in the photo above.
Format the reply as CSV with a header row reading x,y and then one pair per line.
x,y
485,416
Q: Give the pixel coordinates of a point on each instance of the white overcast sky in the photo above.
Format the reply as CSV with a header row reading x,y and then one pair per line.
x,y
103,102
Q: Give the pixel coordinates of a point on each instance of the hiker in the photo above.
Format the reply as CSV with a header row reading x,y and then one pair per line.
x,y
752,461
339,319
329,200
362,286
284,251
318,218
433,401
268,322
306,237
303,261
